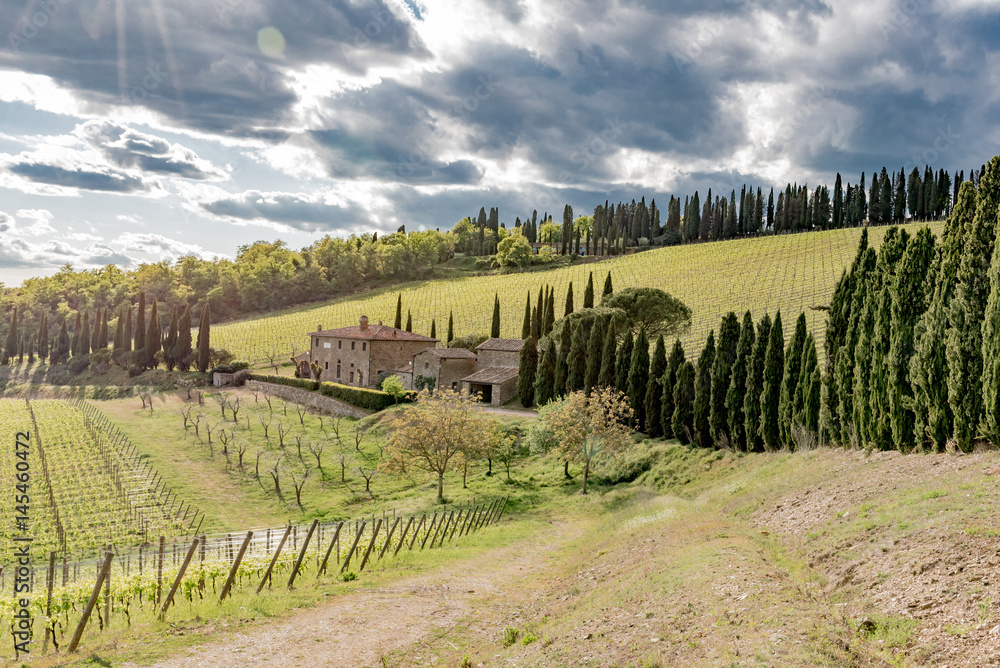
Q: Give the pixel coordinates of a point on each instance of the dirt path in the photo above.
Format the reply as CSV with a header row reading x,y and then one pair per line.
x,y
360,628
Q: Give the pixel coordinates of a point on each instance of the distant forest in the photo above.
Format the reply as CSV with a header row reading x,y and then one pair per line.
x,y
269,275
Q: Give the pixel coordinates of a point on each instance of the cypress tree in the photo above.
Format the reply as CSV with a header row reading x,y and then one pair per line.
x,y
433,328
736,393
790,380
770,396
204,351
61,351
10,345
182,349
606,377
139,343
495,326
682,420
909,301
861,278
545,378
95,339
170,343
43,337
31,349
801,406
103,338
526,325
608,288
964,347
576,377
623,360
991,322
398,324
85,335
451,326
153,339
654,389
588,293
703,393
562,360
550,313
527,369
540,309
569,300
75,343
638,380
595,344
669,382
127,341
722,375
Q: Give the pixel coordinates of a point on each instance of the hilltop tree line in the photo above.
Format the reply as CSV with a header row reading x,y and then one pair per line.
x,y
913,338
887,197
138,344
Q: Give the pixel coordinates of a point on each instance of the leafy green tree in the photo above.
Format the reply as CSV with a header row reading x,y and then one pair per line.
x,y
736,393
182,349
770,396
909,301
61,349
682,420
577,361
669,382
139,342
790,380
204,351
623,360
527,369
595,344
588,293
495,327
10,345
722,375
513,251
545,385
703,393
652,310
654,389
638,379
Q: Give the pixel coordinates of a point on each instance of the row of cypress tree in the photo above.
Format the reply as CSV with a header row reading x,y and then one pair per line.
x,y
139,346
913,337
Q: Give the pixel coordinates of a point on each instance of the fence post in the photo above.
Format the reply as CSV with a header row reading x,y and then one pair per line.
x,y
91,603
350,553
388,538
274,559
302,554
180,576
370,546
445,532
429,527
502,508
48,597
468,521
402,536
454,527
236,566
159,570
335,539
416,531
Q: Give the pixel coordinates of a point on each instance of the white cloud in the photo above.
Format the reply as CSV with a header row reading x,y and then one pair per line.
x,y
40,221
159,246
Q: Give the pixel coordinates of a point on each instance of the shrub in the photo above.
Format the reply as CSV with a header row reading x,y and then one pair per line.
x,y
510,636
241,377
231,367
301,383
79,363
371,400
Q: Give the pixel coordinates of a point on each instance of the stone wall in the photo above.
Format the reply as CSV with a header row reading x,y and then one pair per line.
x,y
320,402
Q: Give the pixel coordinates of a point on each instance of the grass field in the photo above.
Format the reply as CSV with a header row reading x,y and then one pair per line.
x,y
793,273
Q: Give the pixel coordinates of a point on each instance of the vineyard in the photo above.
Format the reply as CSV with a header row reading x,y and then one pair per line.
x,y
793,273
119,590
87,485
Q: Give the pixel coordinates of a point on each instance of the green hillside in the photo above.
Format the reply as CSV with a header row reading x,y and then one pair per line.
x,y
794,273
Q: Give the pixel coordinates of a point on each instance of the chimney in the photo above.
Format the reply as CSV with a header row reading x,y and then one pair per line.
x,y
319,327
364,323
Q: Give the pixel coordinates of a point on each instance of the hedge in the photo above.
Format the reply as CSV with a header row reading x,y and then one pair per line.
x,y
301,383
372,400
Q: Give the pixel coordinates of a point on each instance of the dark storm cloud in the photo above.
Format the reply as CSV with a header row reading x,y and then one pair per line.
x,y
129,148
104,180
292,209
197,61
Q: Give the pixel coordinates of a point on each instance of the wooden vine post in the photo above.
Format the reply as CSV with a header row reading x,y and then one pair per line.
x,y
274,559
180,576
91,603
357,537
334,540
302,554
370,545
236,566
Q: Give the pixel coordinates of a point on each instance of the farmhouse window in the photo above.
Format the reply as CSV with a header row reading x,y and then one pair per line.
x,y
315,343
338,371
364,345
352,376
426,365
327,365
326,344
352,345
340,344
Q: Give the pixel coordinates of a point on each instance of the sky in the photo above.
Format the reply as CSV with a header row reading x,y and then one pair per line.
x,y
147,130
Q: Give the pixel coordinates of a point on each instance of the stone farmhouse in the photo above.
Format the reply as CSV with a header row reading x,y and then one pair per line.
x,y
362,354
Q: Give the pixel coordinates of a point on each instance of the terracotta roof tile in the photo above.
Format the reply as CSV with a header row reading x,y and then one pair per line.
x,y
451,353
492,376
504,345
373,333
